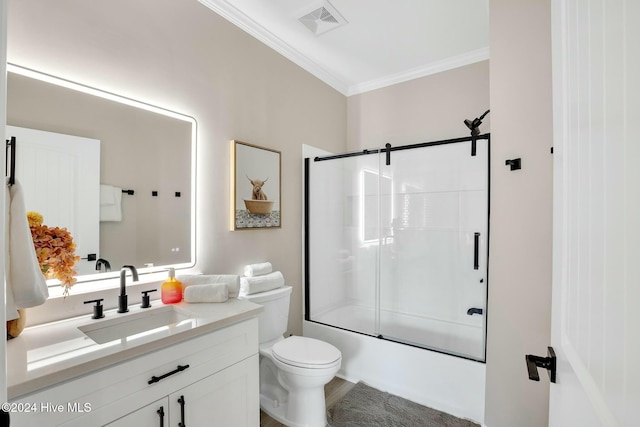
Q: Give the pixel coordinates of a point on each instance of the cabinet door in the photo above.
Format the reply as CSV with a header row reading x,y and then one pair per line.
x,y
227,398
155,414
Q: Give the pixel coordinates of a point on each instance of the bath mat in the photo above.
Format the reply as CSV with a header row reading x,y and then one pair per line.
x,y
367,407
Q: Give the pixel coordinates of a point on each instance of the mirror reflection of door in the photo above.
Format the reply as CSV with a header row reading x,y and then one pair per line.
x,y
60,180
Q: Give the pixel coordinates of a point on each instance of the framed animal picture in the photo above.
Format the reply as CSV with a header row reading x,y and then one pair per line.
x,y
255,177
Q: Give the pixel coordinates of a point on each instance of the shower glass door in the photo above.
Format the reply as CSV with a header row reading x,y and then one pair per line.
x,y
432,266
399,251
343,243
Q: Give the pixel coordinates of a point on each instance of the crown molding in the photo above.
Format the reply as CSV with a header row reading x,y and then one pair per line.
x,y
250,26
422,71
245,23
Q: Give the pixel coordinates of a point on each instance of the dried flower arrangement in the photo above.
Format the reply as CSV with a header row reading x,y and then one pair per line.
x,y
55,250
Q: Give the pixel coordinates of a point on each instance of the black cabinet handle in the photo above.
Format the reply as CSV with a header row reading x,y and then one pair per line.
x,y
181,402
155,379
476,250
160,413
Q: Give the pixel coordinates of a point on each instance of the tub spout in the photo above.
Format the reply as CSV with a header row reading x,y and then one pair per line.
x,y
474,310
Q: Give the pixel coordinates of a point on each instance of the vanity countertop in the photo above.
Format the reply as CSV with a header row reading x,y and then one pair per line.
x,y
51,353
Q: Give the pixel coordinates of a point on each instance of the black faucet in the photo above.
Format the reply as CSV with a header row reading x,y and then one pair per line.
x,y
473,311
102,261
122,299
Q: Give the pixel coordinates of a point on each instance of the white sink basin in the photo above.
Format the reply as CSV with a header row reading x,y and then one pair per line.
x,y
142,323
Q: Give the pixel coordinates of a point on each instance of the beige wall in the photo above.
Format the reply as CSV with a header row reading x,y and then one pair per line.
x,y
426,109
520,245
182,56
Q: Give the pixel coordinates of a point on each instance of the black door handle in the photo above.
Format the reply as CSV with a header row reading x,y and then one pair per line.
x,y
160,413
549,363
181,402
155,379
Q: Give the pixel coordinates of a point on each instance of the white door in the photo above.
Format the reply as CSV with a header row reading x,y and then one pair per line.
x,y
71,165
596,283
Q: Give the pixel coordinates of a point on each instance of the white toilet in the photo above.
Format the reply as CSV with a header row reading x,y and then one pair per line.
x,y
293,370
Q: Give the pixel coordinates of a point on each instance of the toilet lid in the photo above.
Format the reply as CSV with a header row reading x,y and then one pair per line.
x,y
305,352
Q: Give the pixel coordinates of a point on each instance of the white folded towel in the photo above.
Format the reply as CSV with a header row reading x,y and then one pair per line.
x,y
110,203
260,269
26,285
253,285
206,293
231,281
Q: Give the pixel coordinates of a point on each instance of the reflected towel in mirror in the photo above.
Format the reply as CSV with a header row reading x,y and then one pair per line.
x,y
110,203
26,285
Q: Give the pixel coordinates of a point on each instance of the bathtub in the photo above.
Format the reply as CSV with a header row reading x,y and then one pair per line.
x,y
456,338
451,384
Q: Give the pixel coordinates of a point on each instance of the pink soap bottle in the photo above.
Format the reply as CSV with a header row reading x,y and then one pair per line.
x,y
171,289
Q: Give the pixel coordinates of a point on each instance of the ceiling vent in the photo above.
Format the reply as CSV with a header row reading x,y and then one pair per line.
x,y
323,19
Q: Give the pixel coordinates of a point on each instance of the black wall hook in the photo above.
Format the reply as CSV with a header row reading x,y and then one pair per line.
x,y
514,163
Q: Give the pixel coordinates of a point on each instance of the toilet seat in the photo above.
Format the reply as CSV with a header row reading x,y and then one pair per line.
x,y
304,352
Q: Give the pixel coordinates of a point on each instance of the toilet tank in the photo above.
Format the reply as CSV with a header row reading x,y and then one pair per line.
x,y
272,322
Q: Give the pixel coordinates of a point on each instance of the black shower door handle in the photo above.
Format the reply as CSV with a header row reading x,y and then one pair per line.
x,y
476,249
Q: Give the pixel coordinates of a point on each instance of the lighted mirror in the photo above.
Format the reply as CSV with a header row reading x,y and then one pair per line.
x,y
117,173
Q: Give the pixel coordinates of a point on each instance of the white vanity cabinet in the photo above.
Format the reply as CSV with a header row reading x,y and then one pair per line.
x,y
214,374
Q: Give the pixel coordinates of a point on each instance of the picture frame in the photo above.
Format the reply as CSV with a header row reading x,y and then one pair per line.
x,y
256,187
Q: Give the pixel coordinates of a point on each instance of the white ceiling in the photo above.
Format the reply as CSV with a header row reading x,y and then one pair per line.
x,y
383,42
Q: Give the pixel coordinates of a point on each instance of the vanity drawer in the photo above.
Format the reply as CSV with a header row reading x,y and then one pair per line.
x,y
131,382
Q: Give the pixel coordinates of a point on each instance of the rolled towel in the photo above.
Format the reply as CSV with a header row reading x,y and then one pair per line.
x,y
232,281
253,285
260,269
206,293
